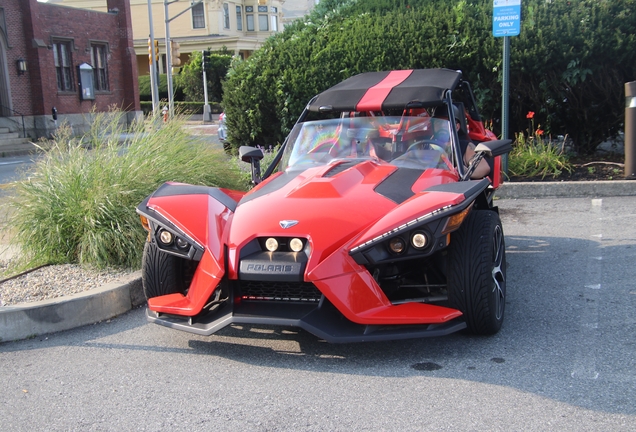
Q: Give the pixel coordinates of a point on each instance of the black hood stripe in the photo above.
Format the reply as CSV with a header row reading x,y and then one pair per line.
x,y
398,186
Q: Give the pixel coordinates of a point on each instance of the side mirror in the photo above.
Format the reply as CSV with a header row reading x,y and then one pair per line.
x,y
247,153
252,155
494,148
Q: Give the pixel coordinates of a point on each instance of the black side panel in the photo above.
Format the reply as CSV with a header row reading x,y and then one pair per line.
x,y
271,186
183,189
466,188
397,186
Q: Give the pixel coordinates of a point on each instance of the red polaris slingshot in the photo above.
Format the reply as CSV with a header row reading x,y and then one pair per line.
x,y
368,225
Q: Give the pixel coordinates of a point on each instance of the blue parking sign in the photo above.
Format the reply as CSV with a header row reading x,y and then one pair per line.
x,y
506,17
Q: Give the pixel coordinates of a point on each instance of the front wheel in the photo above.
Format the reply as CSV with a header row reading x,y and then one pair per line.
x,y
161,273
477,272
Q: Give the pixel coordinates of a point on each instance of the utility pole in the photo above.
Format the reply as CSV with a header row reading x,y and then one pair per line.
x,y
154,88
166,3
207,115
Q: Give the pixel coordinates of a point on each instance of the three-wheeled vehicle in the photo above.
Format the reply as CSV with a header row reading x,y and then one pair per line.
x,y
367,226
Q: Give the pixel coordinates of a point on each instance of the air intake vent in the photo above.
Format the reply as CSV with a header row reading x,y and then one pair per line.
x,y
280,291
340,168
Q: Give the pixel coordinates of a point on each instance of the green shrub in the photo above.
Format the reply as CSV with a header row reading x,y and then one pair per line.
x,y
145,93
568,64
78,203
190,78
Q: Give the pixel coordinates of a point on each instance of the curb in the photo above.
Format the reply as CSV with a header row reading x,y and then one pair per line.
x,y
99,304
64,313
578,189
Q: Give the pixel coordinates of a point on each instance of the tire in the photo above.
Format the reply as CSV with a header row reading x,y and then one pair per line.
x,y
477,272
161,273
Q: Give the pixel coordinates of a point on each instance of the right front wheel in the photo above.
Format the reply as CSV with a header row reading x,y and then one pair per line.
x,y
477,272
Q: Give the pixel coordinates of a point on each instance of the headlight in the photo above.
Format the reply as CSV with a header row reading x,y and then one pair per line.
x,y
419,240
296,245
182,244
397,245
271,244
165,237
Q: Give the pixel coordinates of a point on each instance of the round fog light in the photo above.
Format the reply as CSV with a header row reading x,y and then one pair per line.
x,y
296,244
181,243
419,240
165,237
271,244
397,245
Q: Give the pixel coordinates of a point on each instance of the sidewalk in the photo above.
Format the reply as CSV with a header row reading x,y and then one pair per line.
x,y
64,313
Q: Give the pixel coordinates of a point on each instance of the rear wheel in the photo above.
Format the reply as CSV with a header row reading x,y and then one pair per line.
x,y
161,273
477,272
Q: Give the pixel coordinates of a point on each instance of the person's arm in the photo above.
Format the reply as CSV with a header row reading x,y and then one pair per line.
x,y
482,170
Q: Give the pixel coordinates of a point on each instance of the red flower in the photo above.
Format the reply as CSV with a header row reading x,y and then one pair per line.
x,y
530,114
539,132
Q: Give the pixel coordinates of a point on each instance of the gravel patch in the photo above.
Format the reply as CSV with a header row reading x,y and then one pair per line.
x,y
52,282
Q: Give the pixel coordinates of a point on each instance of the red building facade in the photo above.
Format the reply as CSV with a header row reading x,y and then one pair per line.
x,y
74,60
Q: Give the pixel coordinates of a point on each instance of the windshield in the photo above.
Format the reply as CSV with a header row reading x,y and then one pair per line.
x,y
411,142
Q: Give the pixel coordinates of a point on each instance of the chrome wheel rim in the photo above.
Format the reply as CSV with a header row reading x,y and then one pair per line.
x,y
498,277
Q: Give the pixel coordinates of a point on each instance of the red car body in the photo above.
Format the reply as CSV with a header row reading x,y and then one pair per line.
x,y
210,259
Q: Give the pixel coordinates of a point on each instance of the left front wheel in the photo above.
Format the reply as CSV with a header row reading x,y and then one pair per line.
x,y
161,273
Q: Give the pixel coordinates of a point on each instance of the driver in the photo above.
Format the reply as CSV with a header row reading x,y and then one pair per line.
x,y
440,132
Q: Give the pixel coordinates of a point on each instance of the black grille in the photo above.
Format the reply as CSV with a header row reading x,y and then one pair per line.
x,y
279,291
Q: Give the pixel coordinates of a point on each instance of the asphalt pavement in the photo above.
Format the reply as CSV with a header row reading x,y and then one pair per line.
x,y
564,359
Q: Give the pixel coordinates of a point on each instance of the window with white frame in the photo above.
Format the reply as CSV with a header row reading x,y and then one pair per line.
x,y
263,19
99,56
198,16
63,62
249,17
239,18
226,16
274,19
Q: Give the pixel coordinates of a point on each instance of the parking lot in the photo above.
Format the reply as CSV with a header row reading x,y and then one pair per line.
x,y
564,359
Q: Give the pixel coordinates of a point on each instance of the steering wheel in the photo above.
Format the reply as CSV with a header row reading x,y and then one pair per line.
x,y
424,144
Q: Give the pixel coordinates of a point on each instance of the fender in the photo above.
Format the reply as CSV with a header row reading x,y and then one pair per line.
x,y
198,214
431,204
187,210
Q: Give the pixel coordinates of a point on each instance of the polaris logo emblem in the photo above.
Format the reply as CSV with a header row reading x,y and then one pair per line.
x,y
284,224
275,268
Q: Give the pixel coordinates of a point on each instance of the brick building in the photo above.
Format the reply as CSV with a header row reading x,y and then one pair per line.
x,y
75,60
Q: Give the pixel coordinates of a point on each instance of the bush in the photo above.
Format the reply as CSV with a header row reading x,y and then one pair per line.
x,y
145,93
569,63
191,76
78,204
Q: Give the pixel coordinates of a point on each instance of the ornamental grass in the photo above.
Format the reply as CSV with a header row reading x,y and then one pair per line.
x,y
77,204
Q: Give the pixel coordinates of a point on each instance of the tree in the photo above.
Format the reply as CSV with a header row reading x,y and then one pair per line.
x,y
191,76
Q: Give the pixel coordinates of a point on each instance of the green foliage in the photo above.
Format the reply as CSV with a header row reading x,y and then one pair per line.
x,y
191,76
145,93
569,64
536,156
78,203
